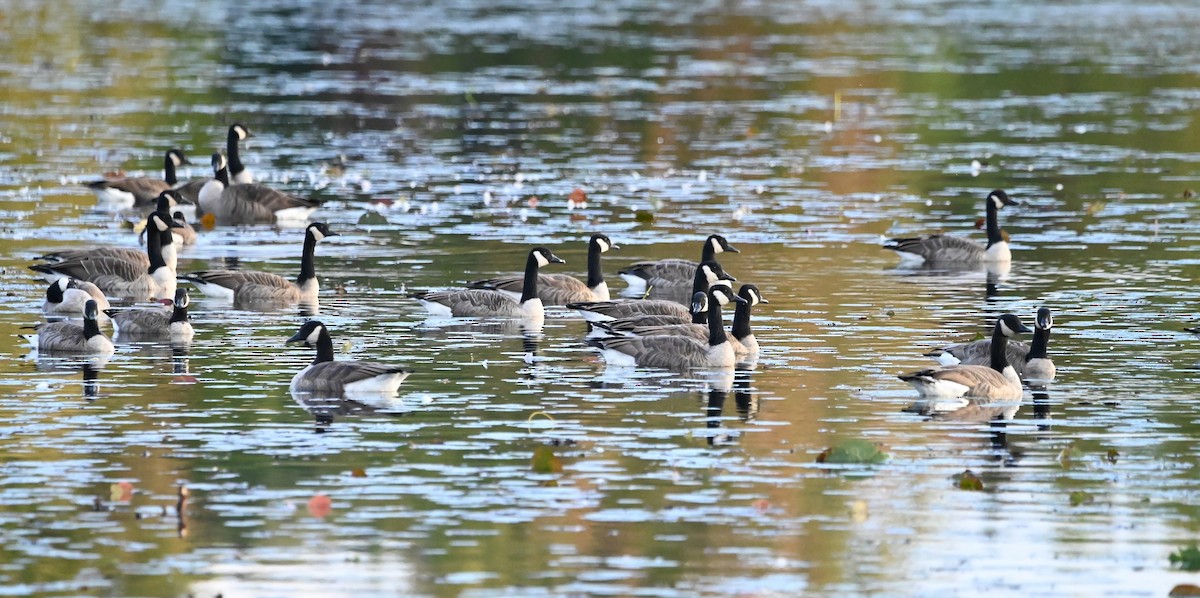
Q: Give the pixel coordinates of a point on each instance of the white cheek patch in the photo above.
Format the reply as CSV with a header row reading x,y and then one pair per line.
x,y
241,132
159,224
603,245
314,336
722,298
316,233
541,260
716,245
996,201
708,273
1004,329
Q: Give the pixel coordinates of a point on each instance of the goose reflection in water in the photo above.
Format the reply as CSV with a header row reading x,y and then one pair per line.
x,y
69,364
326,409
744,402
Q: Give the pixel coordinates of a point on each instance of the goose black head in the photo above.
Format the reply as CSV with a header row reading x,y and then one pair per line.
x,y
699,303
603,242
181,298
177,157
179,216
169,199
320,230
219,162
1010,325
90,310
309,333
715,273
719,244
724,294
1045,320
1000,199
544,257
54,292
751,294
237,130
161,221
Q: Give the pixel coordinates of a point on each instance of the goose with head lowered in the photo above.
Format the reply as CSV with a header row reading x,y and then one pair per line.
x,y
325,377
1031,361
996,381
704,275
130,192
67,297
249,203
560,289
155,323
742,337
122,278
481,303
68,337
947,249
250,287
238,174
672,272
679,353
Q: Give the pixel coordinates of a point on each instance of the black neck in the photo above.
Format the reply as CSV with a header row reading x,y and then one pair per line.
x,y
741,320
700,317
166,237
154,243
54,293
708,254
999,359
169,170
179,314
231,149
308,270
595,273
700,282
716,324
1041,338
993,223
324,347
529,287
90,327
222,175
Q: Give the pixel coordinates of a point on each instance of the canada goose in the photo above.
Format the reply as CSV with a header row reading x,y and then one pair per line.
x,y
742,339
468,303
672,272
249,203
677,352
238,174
252,286
560,289
123,278
67,337
704,275
185,235
949,249
67,297
134,256
1029,361
327,377
128,192
996,381
155,323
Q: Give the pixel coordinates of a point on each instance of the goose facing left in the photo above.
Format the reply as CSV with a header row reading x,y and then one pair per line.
x,y
128,192
328,378
68,337
255,287
67,297
249,203
560,289
995,381
481,303
121,278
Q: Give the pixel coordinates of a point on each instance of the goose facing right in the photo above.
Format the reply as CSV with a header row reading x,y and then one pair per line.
x,y
947,249
560,289
68,337
328,378
704,275
996,381
255,287
168,241
481,303
238,174
249,203
1031,362
130,192
672,272
155,323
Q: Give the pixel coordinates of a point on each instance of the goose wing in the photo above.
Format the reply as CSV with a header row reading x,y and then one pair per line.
x,y
259,202
668,352
333,376
668,272
628,324
60,336
149,322
980,382
474,303
939,248
633,307
145,190
251,292
232,279
128,254
553,289
94,269
980,352
190,190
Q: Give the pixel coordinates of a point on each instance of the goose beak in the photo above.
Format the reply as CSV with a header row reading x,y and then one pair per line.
x,y
739,299
727,276
613,246
763,300
554,259
173,223
732,249
1024,329
299,336
1045,321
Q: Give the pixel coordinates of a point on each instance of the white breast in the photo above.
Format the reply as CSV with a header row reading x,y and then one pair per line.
x,y
998,252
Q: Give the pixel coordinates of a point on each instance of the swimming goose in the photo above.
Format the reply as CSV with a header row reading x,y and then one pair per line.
x,y
67,297
560,289
677,352
238,174
248,203
326,377
67,337
949,249
155,323
1030,362
742,339
672,272
123,278
255,287
128,192
996,381
468,303
185,235
704,275
133,255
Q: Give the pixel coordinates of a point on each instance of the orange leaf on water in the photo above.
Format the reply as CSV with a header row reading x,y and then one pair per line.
x,y
320,506
358,472
121,491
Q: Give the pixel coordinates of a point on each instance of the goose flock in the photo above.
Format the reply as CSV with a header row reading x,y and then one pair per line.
x,y
676,322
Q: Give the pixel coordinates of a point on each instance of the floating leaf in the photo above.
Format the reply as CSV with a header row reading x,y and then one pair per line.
x,y
358,472
1187,558
853,451
577,198
545,461
1183,590
859,511
1112,455
1079,497
644,216
761,505
208,221
1069,455
967,480
320,506
121,491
